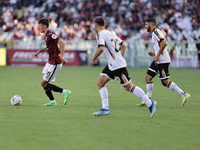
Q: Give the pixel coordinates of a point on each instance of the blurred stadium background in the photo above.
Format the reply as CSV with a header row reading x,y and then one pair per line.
x,y
73,127
72,21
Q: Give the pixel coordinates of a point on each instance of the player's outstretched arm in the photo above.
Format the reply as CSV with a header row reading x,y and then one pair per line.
x,y
61,44
39,51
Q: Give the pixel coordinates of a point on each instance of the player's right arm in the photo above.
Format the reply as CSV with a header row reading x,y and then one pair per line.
x,y
39,51
97,53
163,44
123,49
100,49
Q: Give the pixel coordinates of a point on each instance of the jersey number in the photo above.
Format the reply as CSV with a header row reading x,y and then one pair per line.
x,y
117,45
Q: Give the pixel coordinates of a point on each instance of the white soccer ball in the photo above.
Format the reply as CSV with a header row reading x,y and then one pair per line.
x,y
16,100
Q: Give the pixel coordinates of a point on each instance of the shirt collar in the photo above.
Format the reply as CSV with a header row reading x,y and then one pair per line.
x,y
100,31
154,29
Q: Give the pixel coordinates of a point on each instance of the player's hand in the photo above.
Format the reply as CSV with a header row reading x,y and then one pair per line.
x,y
36,54
156,60
95,61
63,60
151,53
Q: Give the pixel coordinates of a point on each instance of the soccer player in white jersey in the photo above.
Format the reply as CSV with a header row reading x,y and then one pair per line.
x,y
161,63
114,49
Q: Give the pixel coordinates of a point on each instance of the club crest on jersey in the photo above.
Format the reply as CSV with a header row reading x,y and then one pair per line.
x,y
54,36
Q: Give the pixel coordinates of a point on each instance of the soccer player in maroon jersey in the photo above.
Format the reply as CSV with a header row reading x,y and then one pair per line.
x,y
54,64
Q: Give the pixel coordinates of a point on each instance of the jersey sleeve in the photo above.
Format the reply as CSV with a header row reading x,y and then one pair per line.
x,y
54,37
100,40
159,36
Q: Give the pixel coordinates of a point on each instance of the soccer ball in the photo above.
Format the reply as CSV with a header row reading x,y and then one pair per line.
x,y
16,100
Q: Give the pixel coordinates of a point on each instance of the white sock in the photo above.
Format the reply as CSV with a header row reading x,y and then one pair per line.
x,y
64,91
137,91
149,87
53,101
104,97
175,88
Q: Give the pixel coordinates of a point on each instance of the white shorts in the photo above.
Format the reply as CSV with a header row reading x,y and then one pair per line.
x,y
50,72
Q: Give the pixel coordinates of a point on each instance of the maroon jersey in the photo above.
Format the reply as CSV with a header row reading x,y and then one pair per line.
x,y
51,40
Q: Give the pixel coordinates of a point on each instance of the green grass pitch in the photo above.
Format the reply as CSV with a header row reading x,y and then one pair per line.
x,y
73,127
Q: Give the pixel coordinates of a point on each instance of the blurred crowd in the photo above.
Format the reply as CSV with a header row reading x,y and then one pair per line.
x,y
72,19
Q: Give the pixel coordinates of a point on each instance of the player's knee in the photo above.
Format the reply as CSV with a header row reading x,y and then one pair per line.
x,y
148,78
100,84
44,84
164,82
127,89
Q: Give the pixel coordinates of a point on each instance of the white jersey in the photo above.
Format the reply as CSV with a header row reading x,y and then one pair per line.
x,y
112,44
157,35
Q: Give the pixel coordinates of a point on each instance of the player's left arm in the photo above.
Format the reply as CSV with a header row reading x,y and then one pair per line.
x,y
163,44
61,44
97,53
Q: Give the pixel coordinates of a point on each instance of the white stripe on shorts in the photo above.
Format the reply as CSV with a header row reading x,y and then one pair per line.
x,y
165,78
153,70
